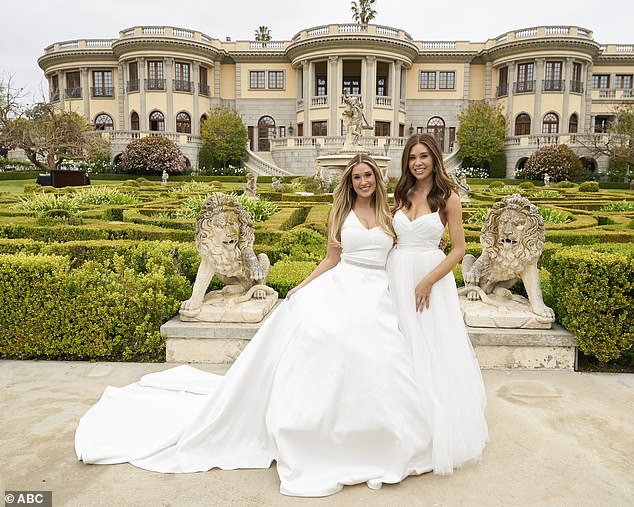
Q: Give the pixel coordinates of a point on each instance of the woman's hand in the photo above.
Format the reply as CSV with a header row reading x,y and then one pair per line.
x,y
422,294
290,293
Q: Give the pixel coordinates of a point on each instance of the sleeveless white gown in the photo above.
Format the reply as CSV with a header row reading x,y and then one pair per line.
x,y
325,388
446,367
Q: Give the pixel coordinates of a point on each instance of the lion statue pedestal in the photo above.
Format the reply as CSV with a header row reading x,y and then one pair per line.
x,y
224,240
512,238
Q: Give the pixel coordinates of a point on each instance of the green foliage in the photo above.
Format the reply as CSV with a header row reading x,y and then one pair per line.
x,y
96,195
592,294
546,194
152,155
497,166
303,244
224,138
481,133
558,160
496,184
362,11
38,203
619,206
285,275
527,185
478,216
263,34
565,184
589,186
259,209
552,216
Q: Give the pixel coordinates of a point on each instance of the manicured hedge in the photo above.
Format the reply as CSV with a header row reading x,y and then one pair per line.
x,y
288,274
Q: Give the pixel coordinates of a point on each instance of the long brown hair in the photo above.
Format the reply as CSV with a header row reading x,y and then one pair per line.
x,y
442,186
344,198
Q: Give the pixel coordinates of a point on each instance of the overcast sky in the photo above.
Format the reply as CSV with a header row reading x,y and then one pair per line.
x,y
28,26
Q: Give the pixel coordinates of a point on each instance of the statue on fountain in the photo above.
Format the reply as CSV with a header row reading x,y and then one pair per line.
x,y
355,120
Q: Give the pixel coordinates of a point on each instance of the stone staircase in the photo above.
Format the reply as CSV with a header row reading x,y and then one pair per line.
x,y
262,164
221,343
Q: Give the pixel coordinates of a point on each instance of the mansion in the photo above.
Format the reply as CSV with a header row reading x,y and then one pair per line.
x,y
552,82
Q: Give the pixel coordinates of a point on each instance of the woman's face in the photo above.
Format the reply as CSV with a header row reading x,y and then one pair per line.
x,y
420,162
363,180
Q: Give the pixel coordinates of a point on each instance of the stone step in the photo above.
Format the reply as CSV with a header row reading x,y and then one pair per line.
x,y
222,343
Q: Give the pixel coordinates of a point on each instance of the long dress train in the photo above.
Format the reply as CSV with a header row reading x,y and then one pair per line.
x,y
445,365
325,388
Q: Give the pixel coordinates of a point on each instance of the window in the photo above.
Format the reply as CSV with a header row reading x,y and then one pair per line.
x,y
525,81
182,76
352,85
382,73
552,81
601,81
102,83
382,128
573,124
322,86
134,121
276,79
503,82
155,79
104,121
427,80
54,87
157,121
550,124
282,131
256,79
203,118
183,123
446,80
133,77
300,130
522,125
320,128
436,127
73,85
266,132
623,81
203,85
575,84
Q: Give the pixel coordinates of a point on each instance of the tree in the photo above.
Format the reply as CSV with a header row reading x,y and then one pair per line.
x,y
362,11
558,160
481,133
263,34
618,143
224,138
152,155
47,134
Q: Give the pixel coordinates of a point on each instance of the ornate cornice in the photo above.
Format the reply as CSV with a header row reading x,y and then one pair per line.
x,y
587,47
154,43
75,57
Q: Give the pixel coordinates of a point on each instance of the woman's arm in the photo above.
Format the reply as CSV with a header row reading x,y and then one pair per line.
x,y
453,214
333,256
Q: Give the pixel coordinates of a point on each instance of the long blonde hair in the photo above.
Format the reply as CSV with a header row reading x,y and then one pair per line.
x,y
344,198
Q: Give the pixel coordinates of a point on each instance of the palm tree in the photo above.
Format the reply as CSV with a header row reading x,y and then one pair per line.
x,y
362,11
263,34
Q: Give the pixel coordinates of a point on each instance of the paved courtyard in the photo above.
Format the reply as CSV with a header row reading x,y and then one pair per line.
x,y
558,438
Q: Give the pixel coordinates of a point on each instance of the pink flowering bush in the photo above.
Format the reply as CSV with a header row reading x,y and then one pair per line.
x,y
152,155
558,160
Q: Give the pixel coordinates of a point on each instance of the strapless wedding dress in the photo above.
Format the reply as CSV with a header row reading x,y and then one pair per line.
x,y
326,388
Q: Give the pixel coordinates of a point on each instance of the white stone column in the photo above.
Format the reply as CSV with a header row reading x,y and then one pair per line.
x,y
566,76
122,98
466,78
217,78
488,81
143,119
61,89
536,125
333,94
196,108
586,120
238,80
170,120
85,83
510,110
396,101
306,82
370,89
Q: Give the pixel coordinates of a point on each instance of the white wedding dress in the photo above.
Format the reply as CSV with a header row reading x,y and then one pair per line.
x,y
326,388
445,364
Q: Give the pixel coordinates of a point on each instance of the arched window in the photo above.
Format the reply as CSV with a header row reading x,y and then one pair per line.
x,y
104,121
266,132
573,124
436,127
203,118
522,125
550,124
157,121
183,123
134,121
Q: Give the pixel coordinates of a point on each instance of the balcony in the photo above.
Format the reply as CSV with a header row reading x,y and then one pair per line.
x,y
524,87
502,90
183,86
155,84
102,92
133,85
383,101
319,101
607,93
553,85
203,89
576,86
72,93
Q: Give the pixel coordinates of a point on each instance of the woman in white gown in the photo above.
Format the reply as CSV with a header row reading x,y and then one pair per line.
x,y
424,290
325,388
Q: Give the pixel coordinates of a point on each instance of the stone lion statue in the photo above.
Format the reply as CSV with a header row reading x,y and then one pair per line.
x,y
224,240
513,237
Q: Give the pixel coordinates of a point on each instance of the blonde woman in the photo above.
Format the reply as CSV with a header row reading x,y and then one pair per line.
x,y
325,388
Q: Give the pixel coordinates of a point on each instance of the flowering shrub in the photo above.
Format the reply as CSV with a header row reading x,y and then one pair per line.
x,y
558,160
152,155
473,172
